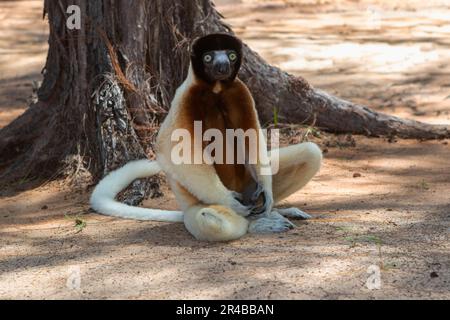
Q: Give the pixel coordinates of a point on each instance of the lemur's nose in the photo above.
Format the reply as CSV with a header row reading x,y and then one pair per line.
x,y
223,68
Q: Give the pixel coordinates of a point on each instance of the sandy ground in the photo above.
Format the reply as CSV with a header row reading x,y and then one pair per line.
x,y
23,50
376,205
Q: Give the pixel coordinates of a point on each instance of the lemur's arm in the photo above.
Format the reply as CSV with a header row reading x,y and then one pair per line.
x,y
245,116
262,174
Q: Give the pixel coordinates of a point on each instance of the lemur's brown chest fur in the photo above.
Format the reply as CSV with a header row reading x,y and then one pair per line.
x,y
232,108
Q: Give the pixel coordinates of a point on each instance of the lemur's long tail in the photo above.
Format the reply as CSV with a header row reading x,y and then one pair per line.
x,y
103,198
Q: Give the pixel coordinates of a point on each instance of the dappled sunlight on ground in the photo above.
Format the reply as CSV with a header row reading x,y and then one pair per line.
x,y
23,50
393,56
394,214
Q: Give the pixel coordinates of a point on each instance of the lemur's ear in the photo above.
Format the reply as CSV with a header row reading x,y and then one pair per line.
x,y
193,45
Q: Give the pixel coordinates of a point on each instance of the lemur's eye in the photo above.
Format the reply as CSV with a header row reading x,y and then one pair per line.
x,y
207,58
232,56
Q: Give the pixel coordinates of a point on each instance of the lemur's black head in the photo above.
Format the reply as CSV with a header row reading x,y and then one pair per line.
x,y
216,57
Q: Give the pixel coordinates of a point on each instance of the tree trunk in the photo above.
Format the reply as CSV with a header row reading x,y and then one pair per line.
x,y
108,85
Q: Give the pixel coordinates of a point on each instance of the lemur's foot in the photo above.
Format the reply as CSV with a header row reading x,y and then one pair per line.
x,y
271,223
293,213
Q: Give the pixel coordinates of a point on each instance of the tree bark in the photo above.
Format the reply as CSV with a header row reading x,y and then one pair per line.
x,y
108,85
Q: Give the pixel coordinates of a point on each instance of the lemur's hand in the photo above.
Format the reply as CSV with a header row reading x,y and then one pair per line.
x,y
267,202
260,200
236,203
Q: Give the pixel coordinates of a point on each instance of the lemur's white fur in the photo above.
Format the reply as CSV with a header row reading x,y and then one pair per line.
x,y
210,211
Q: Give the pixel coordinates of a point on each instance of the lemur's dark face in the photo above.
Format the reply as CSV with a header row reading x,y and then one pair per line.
x,y
219,64
216,57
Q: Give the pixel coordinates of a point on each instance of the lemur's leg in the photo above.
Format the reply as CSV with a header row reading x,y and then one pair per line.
x,y
270,223
297,165
208,222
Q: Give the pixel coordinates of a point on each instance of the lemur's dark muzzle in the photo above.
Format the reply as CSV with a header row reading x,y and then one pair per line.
x,y
222,69
221,66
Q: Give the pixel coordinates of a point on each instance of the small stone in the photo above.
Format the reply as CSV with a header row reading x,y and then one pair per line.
x,y
356,175
434,274
44,207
